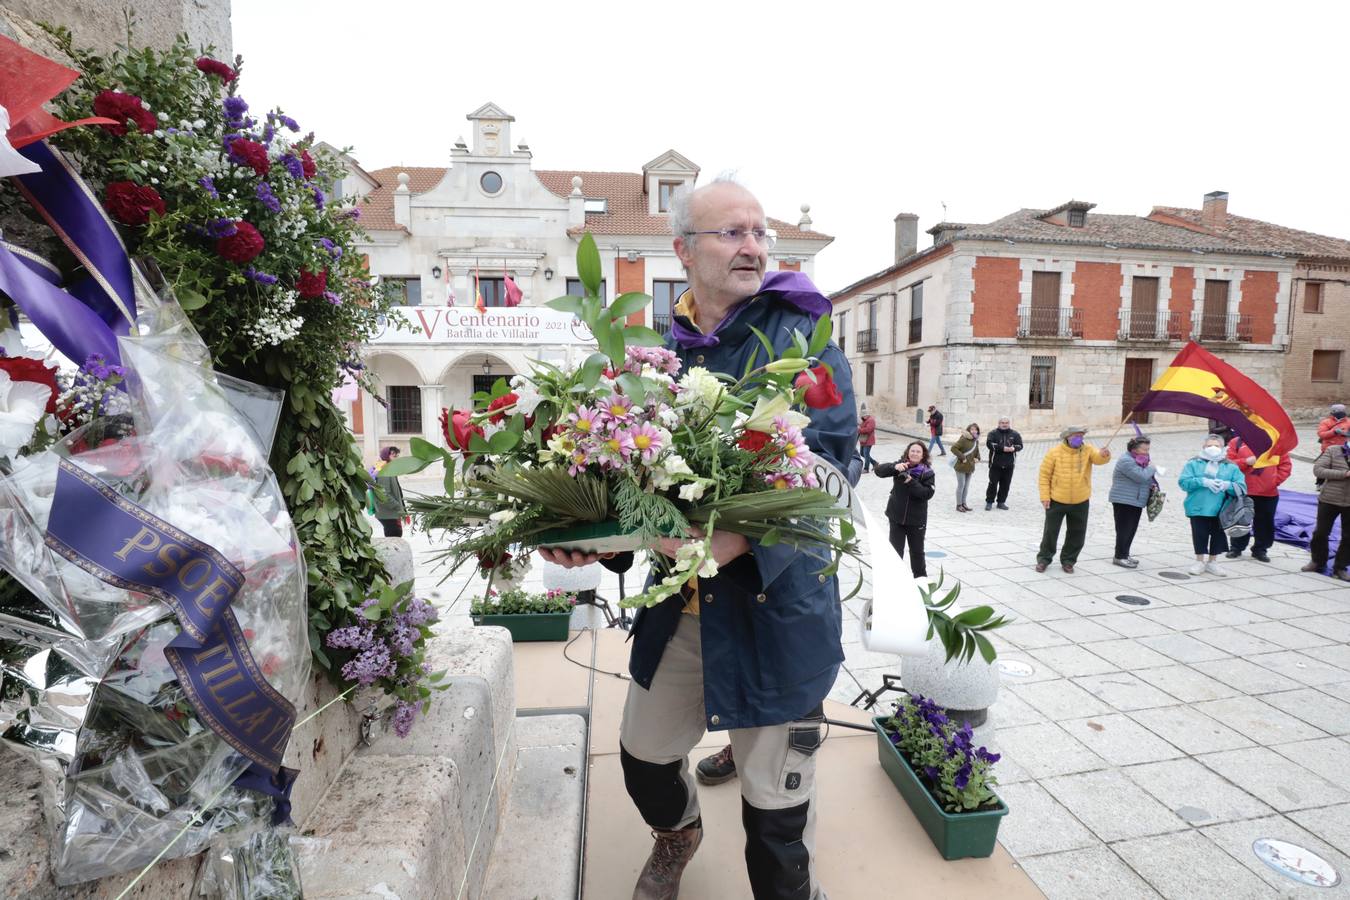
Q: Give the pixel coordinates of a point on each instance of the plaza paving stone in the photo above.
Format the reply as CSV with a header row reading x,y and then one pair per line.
x,y
1229,695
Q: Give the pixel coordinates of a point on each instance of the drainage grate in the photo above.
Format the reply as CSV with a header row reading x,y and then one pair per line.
x,y
1015,668
1132,600
1175,576
1295,862
935,554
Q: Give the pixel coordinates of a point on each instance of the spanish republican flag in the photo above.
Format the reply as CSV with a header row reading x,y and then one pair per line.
x,y
1198,383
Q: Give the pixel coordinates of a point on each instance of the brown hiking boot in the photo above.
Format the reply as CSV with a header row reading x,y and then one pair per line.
x,y
716,769
660,878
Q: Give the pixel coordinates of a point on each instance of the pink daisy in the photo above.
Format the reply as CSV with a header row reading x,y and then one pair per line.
x,y
646,441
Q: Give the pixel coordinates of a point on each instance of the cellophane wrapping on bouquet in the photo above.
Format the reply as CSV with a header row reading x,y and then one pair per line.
x,y
86,689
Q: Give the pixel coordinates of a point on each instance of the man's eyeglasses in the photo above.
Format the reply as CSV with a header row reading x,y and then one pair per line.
x,y
765,237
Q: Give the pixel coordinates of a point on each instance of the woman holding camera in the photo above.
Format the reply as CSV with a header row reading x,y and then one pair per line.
x,y
907,509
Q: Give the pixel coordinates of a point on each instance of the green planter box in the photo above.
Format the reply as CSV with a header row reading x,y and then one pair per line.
x,y
956,835
591,537
531,626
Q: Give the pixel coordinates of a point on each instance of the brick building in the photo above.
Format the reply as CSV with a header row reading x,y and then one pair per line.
x,y
1068,315
1317,365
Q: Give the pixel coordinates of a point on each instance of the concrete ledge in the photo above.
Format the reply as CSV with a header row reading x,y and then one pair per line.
x,y
381,832
542,823
320,747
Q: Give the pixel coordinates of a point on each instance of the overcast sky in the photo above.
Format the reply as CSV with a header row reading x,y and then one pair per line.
x,y
861,111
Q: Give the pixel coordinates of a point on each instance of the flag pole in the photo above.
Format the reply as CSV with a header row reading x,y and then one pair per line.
x,y
1122,424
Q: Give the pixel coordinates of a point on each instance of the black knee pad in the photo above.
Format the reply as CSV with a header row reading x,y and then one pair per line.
x,y
656,788
776,857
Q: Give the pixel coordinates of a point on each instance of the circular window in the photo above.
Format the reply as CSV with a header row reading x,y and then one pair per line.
x,y
491,182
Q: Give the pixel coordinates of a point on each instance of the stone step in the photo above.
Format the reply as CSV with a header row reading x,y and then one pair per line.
x,y
539,838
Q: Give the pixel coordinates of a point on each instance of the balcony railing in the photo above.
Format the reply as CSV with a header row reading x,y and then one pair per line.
x,y
867,341
1230,328
1144,325
661,322
915,330
1064,322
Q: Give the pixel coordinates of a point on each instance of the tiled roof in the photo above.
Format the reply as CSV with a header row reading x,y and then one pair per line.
x,y
1255,232
1080,205
377,207
1134,232
626,203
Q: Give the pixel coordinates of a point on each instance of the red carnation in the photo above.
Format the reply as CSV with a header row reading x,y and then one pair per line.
x,y
242,246
252,154
501,402
131,203
307,164
217,68
457,428
753,441
124,108
487,563
312,285
23,368
822,393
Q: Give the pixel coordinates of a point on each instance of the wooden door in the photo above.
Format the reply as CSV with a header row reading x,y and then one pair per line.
x,y
1214,318
1138,379
1044,304
1144,308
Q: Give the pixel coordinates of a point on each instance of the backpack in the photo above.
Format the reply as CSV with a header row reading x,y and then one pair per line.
x,y
1236,515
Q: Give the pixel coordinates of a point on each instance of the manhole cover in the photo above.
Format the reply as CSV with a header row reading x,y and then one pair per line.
x,y
1132,600
1298,863
1175,576
1016,668
935,554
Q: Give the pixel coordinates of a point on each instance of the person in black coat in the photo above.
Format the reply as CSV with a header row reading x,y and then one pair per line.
x,y
907,510
1004,444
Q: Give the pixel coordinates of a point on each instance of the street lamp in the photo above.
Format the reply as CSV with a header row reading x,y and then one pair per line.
x,y
487,366
548,274
436,272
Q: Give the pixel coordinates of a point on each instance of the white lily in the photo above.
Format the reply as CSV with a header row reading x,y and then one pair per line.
x,y
22,406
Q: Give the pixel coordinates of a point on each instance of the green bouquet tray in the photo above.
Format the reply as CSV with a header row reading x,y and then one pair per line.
x,y
591,537
956,835
530,626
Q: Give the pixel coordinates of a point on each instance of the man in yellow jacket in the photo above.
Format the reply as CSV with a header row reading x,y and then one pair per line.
x,y
1066,485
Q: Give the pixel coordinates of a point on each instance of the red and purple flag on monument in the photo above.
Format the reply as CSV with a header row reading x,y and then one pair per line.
x,y
1198,383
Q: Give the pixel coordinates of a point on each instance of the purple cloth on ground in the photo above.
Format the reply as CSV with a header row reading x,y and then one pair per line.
x,y
1295,517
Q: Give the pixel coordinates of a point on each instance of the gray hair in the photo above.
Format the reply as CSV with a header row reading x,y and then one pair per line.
x,y
681,222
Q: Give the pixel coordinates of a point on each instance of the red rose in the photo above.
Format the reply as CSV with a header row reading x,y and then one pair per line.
x,y
457,428
242,246
487,563
124,108
217,68
307,164
550,433
131,203
310,284
753,441
501,402
252,154
23,368
822,393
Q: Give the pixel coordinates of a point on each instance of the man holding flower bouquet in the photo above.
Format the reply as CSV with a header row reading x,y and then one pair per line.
x,y
755,648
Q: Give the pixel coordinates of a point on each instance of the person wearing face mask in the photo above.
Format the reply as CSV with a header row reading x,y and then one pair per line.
x,y
907,509
1334,430
1131,481
1263,486
1066,486
966,449
1209,479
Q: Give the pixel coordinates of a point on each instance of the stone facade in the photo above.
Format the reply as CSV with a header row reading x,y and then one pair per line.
x,y
1327,331
100,25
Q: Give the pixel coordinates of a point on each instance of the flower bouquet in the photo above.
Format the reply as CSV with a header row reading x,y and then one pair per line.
x,y
155,642
625,448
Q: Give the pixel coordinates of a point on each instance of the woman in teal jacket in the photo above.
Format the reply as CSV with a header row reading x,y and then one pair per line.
x,y
1208,480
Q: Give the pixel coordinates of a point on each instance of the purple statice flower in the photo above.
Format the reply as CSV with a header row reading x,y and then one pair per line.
x,y
962,777
352,637
320,198
266,197
294,166
370,664
219,228
261,277
96,366
289,122
332,298
333,249
210,186
235,108
353,213
268,133
405,714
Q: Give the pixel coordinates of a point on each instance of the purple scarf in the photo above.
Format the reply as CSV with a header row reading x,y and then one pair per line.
x,y
793,287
